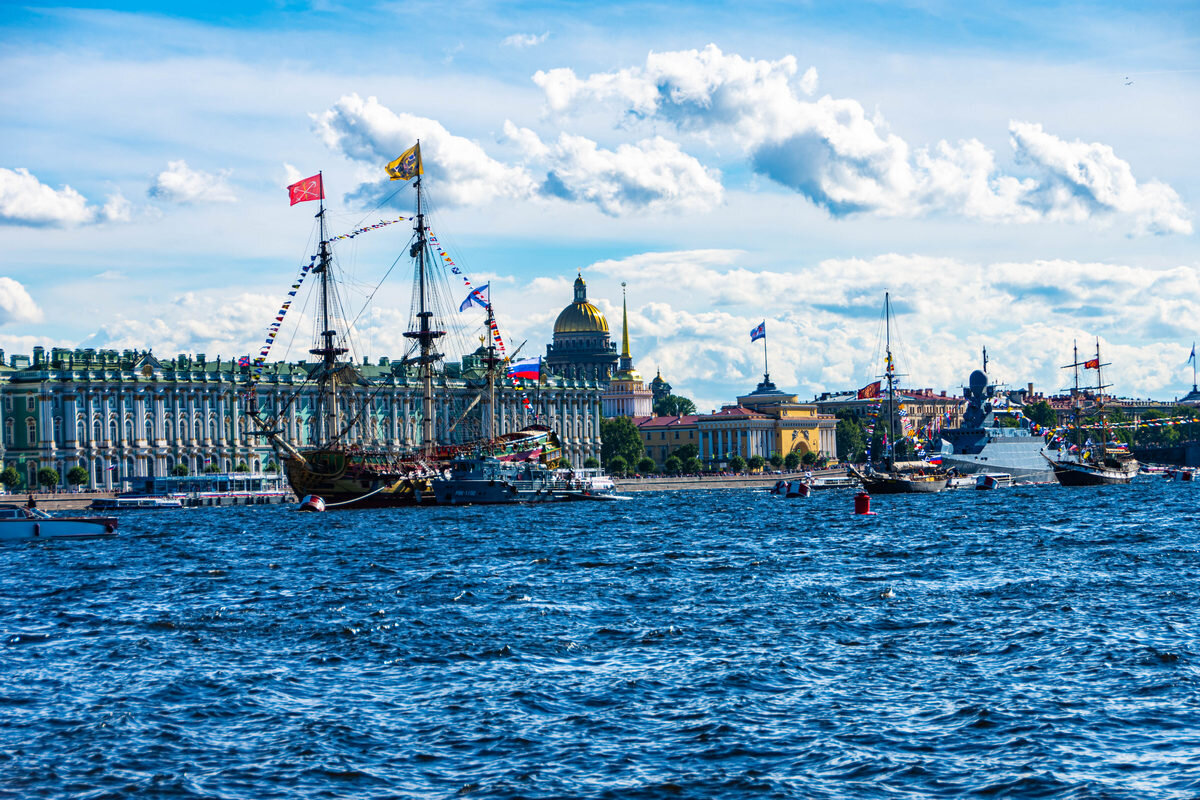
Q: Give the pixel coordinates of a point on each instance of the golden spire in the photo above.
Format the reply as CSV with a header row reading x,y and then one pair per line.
x,y
624,324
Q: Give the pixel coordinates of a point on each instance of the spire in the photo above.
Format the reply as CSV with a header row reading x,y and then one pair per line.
x,y
624,327
580,288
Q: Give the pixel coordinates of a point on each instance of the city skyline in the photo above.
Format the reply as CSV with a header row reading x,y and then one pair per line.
x,y
1016,180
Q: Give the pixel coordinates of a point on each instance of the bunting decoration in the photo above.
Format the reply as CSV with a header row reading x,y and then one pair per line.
x,y
258,363
383,223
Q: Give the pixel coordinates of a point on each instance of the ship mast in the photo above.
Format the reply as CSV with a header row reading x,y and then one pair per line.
x,y
889,372
491,361
425,335
327,396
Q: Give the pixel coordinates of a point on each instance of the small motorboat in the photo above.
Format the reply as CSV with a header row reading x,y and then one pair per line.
x,y
22,522
134,503
791,488
993,480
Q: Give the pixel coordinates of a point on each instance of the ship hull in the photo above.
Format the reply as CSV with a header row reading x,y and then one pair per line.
x,y
879,483
1084,474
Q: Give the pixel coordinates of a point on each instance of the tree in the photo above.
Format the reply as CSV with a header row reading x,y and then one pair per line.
x,y
904,450
851,440
674,406
791,460
645,465
211,469
684,452
564,463
673,465
272,467
620,437
809,459
1041,413
77,476
618,465
47,477
776,460
242,466
737,463
692,466
591,463
11,478
756,463
179,470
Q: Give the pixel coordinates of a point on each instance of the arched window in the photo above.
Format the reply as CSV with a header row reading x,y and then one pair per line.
x,y
58,431
31,432
112,431
169,430
196,430
149,427
81,432
96,431
129,430
8,433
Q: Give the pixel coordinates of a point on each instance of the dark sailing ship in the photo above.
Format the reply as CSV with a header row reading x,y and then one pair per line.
x,y
506,468
890,476
1088,463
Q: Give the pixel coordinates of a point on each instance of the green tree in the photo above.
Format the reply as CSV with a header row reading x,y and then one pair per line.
x,y
618,465
211,469
692,466
620,437
645,466
851,440
737,463
791,460
591,463
776,460
756,463
11,478
47,477
272,467
674,406
904,450
673,465
808,459
684,452
1041,413
77,476
564,463
242,466
179,470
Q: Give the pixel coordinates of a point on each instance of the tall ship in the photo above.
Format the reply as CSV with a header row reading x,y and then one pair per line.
x,y
1086,462
982,444
890,476
515,467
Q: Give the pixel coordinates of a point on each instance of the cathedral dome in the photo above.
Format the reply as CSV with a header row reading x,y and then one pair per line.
x,y
581,316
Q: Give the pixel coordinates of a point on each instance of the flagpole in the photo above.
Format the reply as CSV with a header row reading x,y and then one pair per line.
x,y
766,371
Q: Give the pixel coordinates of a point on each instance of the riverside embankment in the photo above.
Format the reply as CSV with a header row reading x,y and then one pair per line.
x,y
761,481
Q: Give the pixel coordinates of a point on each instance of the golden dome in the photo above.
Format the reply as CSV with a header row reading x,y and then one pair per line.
x,y
581,316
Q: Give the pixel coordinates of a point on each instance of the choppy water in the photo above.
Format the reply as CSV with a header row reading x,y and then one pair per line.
x,y
1031,642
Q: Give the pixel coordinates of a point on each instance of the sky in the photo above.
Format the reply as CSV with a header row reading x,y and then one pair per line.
x,y
1018,177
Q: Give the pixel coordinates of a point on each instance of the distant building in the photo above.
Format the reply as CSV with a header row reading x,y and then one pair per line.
x,y
659,388
662,436
765,422
125,415
582,349
627,395
924,408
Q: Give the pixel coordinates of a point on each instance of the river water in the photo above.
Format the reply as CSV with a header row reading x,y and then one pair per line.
x,y
1026,642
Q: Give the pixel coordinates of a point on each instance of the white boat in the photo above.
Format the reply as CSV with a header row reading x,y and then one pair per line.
x,y
993,480
134,503
592,484
961,482
830,482
21,522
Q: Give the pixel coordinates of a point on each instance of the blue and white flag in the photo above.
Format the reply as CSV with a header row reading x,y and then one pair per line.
x,y
1192,357
760,332
478,296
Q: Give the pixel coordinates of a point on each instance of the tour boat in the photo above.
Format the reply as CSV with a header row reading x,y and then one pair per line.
x,y
22,522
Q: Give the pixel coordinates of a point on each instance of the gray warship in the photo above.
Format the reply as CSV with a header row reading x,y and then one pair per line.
x,y
981,445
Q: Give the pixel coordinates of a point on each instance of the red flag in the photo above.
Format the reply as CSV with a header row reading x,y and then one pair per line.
x,y
1092,364
307,189
869,391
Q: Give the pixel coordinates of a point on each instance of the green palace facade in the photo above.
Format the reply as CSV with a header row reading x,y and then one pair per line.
x,y
127,414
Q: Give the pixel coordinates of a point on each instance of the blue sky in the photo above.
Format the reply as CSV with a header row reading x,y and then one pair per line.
x,y
1019,176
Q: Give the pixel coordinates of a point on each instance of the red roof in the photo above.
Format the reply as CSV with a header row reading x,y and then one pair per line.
x,y
737,411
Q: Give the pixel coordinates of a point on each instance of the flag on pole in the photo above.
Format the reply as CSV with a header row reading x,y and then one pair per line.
x,y
407,166
529,368
869,391
1192,357
308,189
478,296
760,332
1092,363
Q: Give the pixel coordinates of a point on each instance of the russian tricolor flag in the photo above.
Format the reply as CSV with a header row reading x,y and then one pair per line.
x,y
529,368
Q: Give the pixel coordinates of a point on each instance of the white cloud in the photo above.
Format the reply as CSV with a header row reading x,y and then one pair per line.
x,y
651,174
464,174
15,303
117,208
523,40
832,152
24,200
179,183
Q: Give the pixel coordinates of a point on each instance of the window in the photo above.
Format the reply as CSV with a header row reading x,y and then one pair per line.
x,y
58,431
8,432
31,432
8,402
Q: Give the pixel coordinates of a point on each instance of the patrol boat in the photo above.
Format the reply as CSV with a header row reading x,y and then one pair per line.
x,y
981,445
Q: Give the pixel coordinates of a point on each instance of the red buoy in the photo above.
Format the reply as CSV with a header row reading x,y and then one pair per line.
x,y
862,504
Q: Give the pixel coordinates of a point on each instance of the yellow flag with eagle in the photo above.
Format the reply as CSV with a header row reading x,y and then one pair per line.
x,y
407,166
